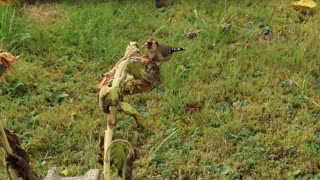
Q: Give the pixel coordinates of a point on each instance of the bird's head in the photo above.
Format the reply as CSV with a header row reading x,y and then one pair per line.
x,y
151,44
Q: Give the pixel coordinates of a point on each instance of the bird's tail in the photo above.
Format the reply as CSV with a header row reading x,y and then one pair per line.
x,y
177,49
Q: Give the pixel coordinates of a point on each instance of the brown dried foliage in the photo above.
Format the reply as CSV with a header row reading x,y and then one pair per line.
x,y
7,60
135,86
18,159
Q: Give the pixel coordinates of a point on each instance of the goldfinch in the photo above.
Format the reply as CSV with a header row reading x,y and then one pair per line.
x,y
160,52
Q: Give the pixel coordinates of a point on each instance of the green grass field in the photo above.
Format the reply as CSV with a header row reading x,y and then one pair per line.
x,y
253,69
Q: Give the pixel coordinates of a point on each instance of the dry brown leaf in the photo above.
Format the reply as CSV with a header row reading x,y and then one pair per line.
x,y
107,77
18,159
192,107
7,60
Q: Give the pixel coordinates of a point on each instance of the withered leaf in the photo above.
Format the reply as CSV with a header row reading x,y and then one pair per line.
x,y
7,60
192,107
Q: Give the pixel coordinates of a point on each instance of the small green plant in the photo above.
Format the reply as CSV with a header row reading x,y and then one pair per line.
x,y
54,99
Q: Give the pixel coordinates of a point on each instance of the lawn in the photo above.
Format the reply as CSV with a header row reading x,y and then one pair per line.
x,y
252,73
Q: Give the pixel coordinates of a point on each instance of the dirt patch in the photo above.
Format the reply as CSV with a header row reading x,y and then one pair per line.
x,y
43,13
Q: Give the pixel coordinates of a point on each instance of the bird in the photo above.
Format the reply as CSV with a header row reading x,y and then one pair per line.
x,y
160,52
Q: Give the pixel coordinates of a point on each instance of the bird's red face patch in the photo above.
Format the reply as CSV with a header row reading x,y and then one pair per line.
x,y
149,43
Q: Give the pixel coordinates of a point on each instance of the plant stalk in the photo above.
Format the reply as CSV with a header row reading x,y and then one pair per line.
x,y
112,122
12,174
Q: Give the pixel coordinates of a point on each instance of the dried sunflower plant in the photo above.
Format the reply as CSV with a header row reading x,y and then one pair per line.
x,y
12,156
134,73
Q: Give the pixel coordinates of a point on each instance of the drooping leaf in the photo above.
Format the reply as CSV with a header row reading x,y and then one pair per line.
x,y
18,159
131,111
118,157
128,109
109,96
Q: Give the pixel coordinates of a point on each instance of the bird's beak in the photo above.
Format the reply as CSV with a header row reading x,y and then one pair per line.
x,y
145,45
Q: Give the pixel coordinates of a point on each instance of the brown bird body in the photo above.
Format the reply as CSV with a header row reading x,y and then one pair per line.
x,y
160,52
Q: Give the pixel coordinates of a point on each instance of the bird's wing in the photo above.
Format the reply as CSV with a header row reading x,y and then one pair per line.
x,y
164,49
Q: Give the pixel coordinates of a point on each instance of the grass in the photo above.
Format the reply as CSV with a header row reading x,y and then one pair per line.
x,y
259,115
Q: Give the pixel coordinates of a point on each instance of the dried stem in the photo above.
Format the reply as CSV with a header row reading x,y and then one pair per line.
x,y
130,74
112,121
6,149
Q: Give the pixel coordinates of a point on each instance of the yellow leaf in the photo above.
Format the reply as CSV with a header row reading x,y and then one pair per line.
x,y
65,172
305,3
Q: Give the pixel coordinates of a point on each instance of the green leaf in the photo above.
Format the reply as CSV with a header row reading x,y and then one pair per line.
x,y
131,111
118,155
128,109
295,173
